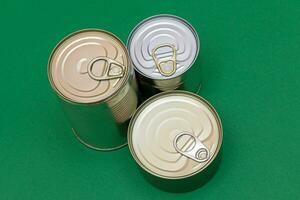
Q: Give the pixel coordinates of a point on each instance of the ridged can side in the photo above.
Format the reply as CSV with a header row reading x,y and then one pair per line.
x,y
91,72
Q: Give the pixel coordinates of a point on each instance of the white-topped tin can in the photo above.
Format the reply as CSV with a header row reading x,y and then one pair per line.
x,y
175,137
162,48
90,70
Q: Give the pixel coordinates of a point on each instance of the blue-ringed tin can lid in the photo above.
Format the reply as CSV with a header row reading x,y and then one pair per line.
x,y
89,66
163,46
175,135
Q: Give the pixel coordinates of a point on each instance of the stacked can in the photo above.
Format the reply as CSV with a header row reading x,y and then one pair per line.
x,y
162,48
91,72
175,137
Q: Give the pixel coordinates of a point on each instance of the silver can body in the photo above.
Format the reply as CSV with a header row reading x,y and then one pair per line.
x,y
91,73
103,126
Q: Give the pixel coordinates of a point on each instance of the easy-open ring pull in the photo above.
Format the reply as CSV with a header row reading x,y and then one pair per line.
x,y
112,69
165,66
198,152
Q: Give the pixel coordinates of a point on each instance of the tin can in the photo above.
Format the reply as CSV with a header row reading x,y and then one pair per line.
x,y
175,137
90,70
163,48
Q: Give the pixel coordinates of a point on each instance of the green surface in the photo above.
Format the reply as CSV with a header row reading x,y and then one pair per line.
x,y
250,66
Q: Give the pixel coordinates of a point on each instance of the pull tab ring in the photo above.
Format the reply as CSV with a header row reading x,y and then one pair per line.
x,y
160,64
107,72
198,153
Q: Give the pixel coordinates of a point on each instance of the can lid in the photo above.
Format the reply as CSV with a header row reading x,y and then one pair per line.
x,y
175,135
163,46
88,66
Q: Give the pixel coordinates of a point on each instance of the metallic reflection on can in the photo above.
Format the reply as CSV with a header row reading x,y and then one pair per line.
x,y
91,72
175,137
162,49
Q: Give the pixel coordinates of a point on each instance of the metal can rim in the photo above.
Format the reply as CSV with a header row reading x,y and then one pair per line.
x,y
157,16
69,100
149,101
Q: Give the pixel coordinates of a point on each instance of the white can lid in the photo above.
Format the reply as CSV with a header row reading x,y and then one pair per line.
x,y
175,134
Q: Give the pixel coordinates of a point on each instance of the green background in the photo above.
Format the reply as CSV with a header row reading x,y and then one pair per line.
x,y
250,69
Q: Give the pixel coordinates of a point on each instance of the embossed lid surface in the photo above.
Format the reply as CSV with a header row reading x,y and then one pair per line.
x,y
175,135
163,46
88,66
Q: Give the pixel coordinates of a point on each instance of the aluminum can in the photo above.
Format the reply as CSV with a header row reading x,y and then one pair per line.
x,y
175,138
163,48
90,70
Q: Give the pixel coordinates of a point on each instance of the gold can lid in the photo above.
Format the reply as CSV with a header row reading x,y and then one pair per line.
x,y
89,66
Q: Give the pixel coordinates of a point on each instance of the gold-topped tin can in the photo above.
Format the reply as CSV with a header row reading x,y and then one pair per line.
x,y
90,70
